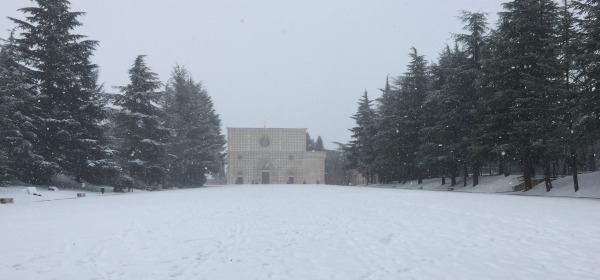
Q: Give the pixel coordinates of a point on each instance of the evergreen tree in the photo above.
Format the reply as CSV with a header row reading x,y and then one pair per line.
x,y
525,82
589,61
414,88
574,130
392,154
361,147
386,163
588,68
471,77
448,107
400,120
19,112
68,125
139,125
196,146
5,170
493,108
319,144
310,143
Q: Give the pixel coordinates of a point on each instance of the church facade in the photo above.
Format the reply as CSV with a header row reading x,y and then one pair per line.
x,y
272,156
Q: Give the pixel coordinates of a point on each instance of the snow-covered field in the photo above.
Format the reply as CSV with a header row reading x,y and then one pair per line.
x,y
301,232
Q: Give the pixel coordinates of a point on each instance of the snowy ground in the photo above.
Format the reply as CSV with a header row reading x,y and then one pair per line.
x,y
301,232
20,194
589,186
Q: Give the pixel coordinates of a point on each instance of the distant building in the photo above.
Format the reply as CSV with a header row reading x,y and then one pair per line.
x,y
272,156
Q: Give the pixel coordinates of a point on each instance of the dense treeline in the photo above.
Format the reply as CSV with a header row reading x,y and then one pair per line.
x,y
525,93
56,119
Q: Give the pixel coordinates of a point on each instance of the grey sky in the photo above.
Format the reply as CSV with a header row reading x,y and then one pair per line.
x,y
286,63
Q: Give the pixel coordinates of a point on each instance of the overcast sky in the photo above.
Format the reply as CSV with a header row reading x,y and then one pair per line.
x,y
299,64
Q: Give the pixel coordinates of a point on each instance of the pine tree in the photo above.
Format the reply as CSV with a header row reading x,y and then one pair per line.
x,y
414,88
196,146
588,67
526,82
69,97
574,129
448,107
391,163
319,144
5,171
589,60
361,147
386,163
310,143
139,125
492,110
400,121
471,77
19,112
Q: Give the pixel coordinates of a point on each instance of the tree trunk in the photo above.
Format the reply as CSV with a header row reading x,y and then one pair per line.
x,y
465,174
453,175
476,172
527,173
584,166
443,174
501,167
574,168
592,159
547,174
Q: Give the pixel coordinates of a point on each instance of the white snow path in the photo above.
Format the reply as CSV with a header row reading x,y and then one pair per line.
x,y
301,232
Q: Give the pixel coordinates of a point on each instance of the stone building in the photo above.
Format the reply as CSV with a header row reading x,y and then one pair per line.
x,y
272,156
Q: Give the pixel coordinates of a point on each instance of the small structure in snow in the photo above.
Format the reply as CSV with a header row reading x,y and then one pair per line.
x,y
7,200
33,191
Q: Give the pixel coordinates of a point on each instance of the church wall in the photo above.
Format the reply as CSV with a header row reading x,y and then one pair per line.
x,y
280,152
